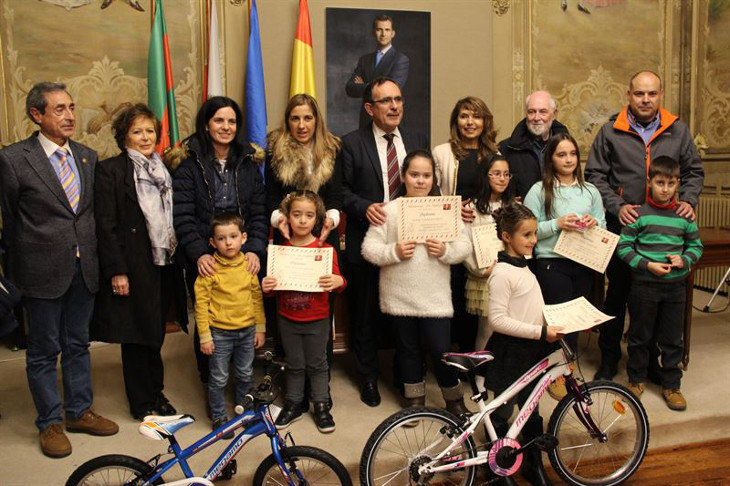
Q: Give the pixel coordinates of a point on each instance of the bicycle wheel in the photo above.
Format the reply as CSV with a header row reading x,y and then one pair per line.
x,y
318,467
409,439
581,458
111,470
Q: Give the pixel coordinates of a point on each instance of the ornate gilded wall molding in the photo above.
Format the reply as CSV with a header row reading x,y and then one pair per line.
x,y
521,58
500,7
711,85
518,80
585,107
715,109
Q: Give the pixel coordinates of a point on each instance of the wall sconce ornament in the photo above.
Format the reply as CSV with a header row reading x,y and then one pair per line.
x,y
500,7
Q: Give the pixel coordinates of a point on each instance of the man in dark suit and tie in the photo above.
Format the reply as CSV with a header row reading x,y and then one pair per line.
x,y
370,161
49,233
386,61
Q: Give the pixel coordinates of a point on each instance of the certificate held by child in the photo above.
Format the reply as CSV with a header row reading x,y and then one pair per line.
x,y
430,217
298,268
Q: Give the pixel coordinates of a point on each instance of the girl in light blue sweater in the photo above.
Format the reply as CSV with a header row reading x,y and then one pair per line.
x,y
563,201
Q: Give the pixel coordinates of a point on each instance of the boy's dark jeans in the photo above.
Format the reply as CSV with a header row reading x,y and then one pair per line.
x,y
237,344
657,312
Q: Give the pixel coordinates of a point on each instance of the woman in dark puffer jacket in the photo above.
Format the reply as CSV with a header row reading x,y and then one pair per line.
x,y
219,173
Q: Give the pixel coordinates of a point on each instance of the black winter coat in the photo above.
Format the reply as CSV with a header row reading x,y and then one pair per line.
x,y
194,204
125,248
523,163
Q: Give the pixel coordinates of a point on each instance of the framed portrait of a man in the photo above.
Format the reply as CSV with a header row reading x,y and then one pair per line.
x,y
364,44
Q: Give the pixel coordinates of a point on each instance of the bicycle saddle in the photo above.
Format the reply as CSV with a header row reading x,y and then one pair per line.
x,y
158,428
467,361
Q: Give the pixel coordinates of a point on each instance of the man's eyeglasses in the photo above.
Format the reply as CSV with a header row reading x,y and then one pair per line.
x,y
499,175
386,101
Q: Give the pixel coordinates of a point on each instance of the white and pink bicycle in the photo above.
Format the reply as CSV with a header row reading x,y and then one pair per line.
x,y
597,435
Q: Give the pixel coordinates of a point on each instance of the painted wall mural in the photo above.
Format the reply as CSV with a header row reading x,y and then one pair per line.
x,y
585,57
101,54
714,70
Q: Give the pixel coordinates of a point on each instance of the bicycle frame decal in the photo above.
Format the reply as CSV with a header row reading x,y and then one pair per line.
x,y
229,454
214,436
529,375
533,402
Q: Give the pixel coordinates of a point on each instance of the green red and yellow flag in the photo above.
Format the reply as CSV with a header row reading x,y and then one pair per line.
x,y
302,64
160,86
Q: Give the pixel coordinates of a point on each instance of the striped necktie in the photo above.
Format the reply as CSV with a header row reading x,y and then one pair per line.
x,y
68,178
393,169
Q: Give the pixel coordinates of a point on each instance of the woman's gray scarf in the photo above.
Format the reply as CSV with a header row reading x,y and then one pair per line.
x,y
154,194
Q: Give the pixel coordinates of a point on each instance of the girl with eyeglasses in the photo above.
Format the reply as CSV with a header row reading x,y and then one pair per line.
x,y
493,192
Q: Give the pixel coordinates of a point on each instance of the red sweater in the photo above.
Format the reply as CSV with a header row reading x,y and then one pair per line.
x,y
308,306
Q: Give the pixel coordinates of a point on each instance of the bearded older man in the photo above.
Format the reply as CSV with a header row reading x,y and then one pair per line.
x,y
525,146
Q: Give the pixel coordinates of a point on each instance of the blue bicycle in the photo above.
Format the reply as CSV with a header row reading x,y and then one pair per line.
x,y
287,465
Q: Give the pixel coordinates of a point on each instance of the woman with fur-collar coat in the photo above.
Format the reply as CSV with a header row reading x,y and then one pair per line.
x,y
302,155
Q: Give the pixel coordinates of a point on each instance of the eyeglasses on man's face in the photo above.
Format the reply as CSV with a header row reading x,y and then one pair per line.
x,y
387,101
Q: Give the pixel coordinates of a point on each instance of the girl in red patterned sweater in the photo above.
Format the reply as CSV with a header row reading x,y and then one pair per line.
x,y
303,317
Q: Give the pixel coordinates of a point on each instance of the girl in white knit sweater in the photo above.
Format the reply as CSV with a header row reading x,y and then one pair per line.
x,y
521,338
415,290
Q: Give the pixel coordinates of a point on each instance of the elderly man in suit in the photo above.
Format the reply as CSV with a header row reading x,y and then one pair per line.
x,y
49,233
386,61
370,161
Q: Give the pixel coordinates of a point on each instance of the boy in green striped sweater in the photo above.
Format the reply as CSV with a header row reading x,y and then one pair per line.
x,y
660,247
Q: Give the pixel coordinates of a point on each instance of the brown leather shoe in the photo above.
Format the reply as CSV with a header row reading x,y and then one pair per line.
x,y
674,398
557,389
91,423
636,388
54,442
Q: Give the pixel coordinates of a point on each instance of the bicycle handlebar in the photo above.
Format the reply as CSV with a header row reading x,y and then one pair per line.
x,y
569,353
272,369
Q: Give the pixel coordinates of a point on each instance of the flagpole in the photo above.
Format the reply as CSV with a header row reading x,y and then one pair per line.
x,y
206,51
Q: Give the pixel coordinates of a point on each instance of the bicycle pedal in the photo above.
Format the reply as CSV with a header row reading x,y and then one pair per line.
x,y
228,471
546,442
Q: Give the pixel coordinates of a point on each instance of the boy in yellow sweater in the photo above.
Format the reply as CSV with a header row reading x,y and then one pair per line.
x,y
229,311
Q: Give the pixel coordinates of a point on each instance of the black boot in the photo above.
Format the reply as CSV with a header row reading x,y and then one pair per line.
x,y
163,405
323,418
288,415
507,481
504,481
532,468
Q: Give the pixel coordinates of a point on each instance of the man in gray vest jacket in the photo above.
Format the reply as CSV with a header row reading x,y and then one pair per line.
x,y
618,165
